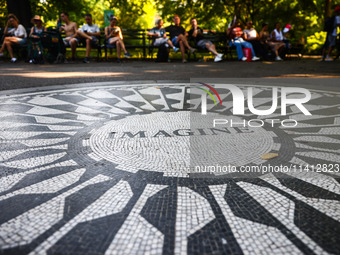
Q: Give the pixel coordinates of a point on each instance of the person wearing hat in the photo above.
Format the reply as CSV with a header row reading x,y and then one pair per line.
x,y
17,35
331,36
114,37
35,36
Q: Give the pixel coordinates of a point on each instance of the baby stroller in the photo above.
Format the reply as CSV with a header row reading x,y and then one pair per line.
x,y
52,41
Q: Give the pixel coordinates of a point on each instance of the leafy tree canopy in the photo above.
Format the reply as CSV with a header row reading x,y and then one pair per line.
x,y
305,16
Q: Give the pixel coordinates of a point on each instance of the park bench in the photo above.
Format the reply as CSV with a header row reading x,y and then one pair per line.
x,y
218,38
133,39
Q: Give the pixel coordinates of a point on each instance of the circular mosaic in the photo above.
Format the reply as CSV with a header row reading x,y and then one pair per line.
x,y
161,142
107,170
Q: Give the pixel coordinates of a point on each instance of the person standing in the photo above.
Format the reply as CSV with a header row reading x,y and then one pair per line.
x,y
178,37
35,48
196,33
330,42
18,36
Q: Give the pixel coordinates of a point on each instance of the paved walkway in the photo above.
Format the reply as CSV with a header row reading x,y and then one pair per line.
x,y
117,168
23,75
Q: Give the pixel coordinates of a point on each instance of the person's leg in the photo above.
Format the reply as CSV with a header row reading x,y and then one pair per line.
x,y
249,45
88,47
330,49
170,43
73,44
3,45
122,45
118,46
182,47
83,35
8,42
211,48
9,49
239,51
184,40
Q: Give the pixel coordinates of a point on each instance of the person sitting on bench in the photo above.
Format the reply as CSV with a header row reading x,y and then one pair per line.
x,y
196,33
70,29
113,35
35,48
88,34
178,37
17,36
159,35
235,34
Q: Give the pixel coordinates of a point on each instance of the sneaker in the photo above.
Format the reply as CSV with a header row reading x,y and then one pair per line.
x,y
244,59
329,59
14,60
127,55
184,61
175,49
1,54
86,60
31,61
255,58
278,58
218,58
220,55
192,50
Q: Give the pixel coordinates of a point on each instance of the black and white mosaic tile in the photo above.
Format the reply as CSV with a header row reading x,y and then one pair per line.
x,y
106,170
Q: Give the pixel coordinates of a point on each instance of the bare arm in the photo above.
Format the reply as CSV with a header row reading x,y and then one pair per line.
x,y
75,29
94,34
273,37
107,35
120,34
6,28
195,32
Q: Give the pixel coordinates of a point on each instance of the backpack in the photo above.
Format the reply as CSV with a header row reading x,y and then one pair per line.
x,y
329,24
163,54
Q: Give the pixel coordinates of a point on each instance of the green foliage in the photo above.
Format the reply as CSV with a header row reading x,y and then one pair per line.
x,y
305,16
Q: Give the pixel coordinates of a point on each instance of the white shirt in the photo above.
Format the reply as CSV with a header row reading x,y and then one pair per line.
x,y
337,22
278,35
251,33
92,29
19,31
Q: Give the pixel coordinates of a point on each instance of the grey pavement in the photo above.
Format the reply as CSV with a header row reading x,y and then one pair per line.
x,y
23,75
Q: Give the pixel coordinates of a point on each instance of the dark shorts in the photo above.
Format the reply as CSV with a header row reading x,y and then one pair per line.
x,y
94,40
22,41
174,41
202,43
330,41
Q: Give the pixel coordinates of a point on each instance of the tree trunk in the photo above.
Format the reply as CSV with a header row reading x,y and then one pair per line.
x,y
328,8
21,9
